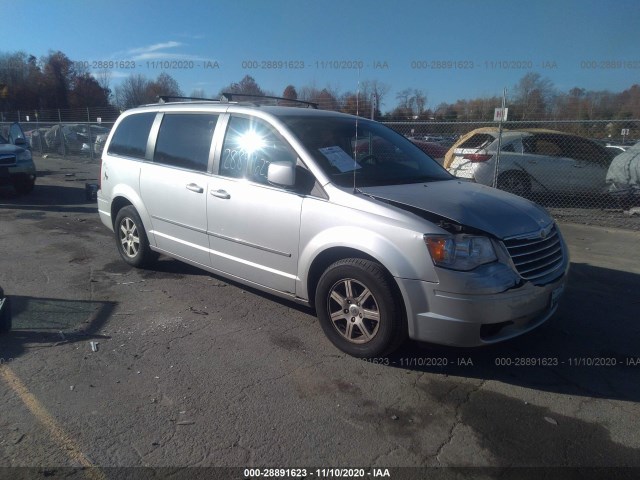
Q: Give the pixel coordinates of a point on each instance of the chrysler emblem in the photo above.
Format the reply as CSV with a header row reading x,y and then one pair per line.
x,y
545,232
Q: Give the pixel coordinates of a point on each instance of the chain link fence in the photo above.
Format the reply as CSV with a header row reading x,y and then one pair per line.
x,y
572,168
72,132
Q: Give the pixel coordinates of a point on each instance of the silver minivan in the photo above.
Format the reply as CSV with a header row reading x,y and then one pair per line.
x,y
334,211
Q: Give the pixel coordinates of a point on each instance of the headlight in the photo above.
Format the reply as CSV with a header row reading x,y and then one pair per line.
x,y
24,156
460,252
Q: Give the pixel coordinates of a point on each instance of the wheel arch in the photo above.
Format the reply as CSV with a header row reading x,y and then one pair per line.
x,y
125,196
516,172
331,255
118,204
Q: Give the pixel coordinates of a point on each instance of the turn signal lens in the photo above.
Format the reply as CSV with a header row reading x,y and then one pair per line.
x,y
439,248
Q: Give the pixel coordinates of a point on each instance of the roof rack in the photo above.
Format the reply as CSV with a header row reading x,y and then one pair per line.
x,y
172,98
228,96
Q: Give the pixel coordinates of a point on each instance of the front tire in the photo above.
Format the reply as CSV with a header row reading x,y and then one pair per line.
x,y
359,309
131,238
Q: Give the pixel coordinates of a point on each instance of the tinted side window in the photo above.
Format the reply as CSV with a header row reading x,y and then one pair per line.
x,y
508,148
479,140
585,150
548,146
184,140
130,139
250,145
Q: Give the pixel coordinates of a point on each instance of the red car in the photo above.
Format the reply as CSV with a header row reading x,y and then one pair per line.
x,y
434,150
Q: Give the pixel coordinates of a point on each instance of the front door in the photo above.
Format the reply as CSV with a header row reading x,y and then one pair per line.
x,y
253,226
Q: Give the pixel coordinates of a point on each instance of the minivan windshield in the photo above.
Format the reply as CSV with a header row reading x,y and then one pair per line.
x,y
375,156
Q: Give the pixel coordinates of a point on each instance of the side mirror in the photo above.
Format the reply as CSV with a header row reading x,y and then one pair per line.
x,y
281,174
19,142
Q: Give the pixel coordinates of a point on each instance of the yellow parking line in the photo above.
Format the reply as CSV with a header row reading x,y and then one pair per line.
x,y
61,437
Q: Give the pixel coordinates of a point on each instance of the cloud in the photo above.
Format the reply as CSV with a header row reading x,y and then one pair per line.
x,y
153,48
159,51
166,56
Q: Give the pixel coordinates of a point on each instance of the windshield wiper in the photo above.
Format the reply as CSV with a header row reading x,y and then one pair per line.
x,y
425,178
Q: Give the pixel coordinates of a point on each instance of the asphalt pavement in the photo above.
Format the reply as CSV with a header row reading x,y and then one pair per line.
x,y
109,366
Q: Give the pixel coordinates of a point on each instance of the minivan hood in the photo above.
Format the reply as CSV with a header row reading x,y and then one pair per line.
x,y
478,206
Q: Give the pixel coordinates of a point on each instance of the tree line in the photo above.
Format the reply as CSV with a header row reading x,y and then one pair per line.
x,y
54,81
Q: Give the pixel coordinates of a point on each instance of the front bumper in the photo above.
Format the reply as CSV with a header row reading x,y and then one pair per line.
x,y
10,175
469,320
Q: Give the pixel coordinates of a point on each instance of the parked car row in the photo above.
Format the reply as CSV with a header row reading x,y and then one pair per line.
x,y
531,161
74,138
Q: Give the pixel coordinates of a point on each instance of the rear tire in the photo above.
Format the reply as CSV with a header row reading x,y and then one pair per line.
x,y
359,308
131,238
515,182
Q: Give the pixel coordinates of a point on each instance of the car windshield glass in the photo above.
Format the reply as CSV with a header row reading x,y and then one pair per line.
x,y
376,156
479,140
3,140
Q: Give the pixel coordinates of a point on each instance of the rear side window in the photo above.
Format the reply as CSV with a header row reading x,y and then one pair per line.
x,y
587,151
479,140
546,145
184,140
508,148
130,139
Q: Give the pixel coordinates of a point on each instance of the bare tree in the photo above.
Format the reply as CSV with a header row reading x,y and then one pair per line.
x,y
375,91
326,98
419,101
133,91
103,77
165,84
533,96
411,103
246,86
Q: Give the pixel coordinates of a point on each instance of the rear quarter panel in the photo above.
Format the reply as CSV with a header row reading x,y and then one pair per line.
x,y
121,179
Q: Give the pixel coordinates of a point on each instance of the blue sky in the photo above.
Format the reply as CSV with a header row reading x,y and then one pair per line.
x,y
498,42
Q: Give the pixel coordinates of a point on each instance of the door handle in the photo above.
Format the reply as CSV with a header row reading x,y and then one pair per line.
x,y
220,194
578,165
195,188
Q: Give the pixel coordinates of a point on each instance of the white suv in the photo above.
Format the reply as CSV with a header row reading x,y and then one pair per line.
x,y
333,211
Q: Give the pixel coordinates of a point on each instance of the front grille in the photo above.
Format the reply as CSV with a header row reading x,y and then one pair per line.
x,y
7,160
535,256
